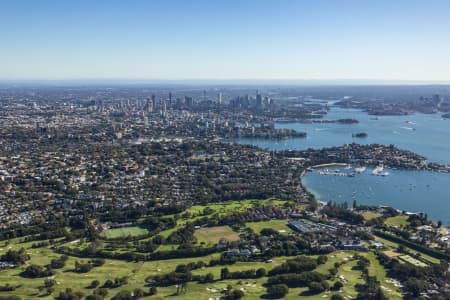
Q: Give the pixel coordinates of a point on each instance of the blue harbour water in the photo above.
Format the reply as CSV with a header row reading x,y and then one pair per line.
x,y
415,191
425,134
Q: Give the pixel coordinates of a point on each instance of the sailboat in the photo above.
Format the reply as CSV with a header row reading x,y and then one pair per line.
x,y
378,171
360,170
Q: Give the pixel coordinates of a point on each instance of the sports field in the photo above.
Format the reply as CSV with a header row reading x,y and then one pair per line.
x,y
212,235
124,232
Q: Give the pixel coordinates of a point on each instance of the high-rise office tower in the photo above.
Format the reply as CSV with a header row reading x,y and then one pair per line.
x,y
154,103
259,104
188,101
149,106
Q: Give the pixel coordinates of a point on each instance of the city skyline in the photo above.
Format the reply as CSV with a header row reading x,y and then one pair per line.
x,y
225,40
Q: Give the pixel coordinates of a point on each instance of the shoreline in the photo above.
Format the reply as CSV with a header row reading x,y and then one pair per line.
x,y
328,165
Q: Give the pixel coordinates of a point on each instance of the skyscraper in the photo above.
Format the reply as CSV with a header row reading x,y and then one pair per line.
x,y
188,101
259,104
149,105
155,108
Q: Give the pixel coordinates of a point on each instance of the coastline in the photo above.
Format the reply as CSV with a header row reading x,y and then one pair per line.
x,y
328,165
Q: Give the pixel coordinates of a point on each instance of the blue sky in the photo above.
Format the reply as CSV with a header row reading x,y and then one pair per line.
x,y
225,39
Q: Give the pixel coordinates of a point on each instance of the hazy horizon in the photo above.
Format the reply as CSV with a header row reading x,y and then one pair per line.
x,y
193,82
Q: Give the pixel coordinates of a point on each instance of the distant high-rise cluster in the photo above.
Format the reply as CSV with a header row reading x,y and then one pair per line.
x,y
257,103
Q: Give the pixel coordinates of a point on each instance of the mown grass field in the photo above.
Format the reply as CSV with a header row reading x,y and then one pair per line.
x,y
212,235
124,232
278,225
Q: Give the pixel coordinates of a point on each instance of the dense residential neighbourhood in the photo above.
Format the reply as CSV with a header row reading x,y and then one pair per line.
x,y
126,193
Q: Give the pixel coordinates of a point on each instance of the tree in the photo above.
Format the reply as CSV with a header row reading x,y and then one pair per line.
x,y
101,292
209,278
95,283
379,295
138,293
415,286
123,295
224,273
322,259
181,288
228,289
15,257
69,294
337,286
58,263
93,297
83,267
363,262
336,297
49,282
152,291
317,287
108,283
35,271
261,272
269,232
236,294
278,290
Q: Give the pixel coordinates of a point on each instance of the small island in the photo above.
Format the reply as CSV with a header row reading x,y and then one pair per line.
x,y
348,121
339,121
360,135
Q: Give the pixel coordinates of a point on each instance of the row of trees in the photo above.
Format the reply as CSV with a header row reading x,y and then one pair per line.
x,y
252,273
297,265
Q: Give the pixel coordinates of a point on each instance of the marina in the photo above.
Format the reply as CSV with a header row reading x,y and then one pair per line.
x,y
336,173
350,172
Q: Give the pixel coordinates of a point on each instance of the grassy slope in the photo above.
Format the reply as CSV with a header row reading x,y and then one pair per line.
x,y
369,215
137,272
397,221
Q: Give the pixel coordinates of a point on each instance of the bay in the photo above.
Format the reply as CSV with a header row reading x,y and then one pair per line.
x,y
425,134
414,191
